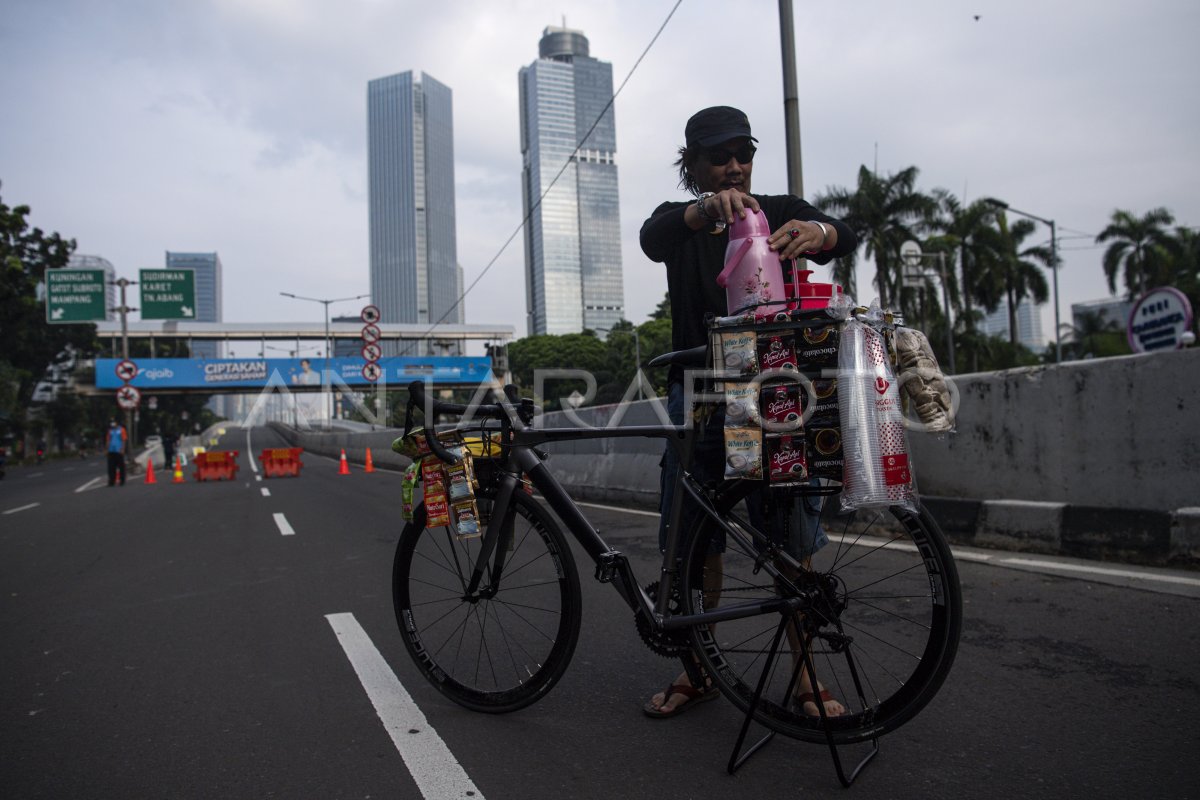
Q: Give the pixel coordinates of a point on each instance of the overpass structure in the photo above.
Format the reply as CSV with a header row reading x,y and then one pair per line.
x,y
409,339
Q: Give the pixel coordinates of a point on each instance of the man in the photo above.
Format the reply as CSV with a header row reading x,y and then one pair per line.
x,y
689,238
116,444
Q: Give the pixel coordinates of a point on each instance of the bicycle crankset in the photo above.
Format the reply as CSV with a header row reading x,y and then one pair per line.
x,y
669,644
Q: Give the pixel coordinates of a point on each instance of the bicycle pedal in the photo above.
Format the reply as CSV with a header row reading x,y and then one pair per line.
x,y
606,566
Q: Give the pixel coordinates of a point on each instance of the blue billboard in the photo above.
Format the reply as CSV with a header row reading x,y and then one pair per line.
x,y
215,374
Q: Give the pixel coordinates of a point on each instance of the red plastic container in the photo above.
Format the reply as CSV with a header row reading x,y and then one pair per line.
x,y
813,295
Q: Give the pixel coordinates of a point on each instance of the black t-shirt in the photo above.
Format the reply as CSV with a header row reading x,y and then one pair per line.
x,y
695,258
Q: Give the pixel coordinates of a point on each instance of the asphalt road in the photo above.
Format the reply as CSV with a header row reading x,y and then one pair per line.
x,y
175,641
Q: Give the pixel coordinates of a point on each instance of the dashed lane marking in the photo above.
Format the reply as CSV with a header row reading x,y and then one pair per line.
x,y
434,768
94,483
281,522
265,491
22,508
617,508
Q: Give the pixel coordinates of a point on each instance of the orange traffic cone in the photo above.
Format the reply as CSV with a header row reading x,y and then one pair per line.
x,y
178,471
370,467
344,467
150,471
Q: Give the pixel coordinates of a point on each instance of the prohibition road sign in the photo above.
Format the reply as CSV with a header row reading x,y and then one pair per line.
x,y
371,371
371,333
370,314
128,397
371,351
126,370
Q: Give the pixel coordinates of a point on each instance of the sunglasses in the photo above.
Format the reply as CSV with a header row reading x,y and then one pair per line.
x,y
744,155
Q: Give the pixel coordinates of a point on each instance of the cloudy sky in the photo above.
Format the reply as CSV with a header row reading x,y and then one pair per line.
x,y
138,126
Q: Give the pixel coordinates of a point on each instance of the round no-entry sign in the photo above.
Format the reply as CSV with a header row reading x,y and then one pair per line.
x,y
371,371
128,397
370,314
371,333
371,351
126,370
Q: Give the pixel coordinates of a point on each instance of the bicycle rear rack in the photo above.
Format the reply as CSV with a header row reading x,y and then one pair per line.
x,y
739,756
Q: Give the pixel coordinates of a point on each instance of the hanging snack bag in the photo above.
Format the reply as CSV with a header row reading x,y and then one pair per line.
x,y
823,441
408,487
777,350
786,461
743,453
739,352
817,346
741,405
466,519
781,406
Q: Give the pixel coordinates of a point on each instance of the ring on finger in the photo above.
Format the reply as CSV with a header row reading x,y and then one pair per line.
x,y
794,232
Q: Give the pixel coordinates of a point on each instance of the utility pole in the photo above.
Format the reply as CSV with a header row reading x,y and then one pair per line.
x,y
124,309
791,101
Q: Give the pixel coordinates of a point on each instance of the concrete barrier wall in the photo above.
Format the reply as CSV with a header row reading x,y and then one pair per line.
x,y
1108,433
1112,433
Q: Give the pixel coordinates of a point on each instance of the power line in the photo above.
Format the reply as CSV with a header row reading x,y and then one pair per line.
x,y
566,163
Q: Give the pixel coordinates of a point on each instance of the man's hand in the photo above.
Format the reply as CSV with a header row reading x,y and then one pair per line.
x,y
796,238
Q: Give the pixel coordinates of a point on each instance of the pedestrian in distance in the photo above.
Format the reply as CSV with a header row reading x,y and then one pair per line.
x,y
117,443
689,238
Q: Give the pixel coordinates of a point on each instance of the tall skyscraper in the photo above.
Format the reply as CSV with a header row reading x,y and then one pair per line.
x,y
1029,324
572,237
207,267
410,163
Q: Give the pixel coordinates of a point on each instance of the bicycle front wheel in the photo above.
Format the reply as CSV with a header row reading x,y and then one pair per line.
x,y
881,621
506,645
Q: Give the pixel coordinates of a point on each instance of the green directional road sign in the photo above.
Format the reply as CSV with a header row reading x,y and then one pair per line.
x,y
75,295
168,293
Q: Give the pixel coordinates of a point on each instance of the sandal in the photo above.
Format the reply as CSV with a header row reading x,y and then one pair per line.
x,y
694,697
809,697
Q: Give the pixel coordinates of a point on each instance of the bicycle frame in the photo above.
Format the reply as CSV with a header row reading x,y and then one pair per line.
x,y
611,565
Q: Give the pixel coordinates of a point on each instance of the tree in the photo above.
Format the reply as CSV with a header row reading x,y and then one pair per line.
x,y
1011,275
1142,247
27,343
578,351
1094,336
884,213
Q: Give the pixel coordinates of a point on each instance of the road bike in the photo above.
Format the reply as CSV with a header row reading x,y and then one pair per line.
x,y
492,620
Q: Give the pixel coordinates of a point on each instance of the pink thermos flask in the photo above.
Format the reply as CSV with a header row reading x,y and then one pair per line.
x,y
753,274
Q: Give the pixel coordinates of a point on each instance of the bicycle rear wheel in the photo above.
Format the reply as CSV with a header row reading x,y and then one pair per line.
x,y
882,628
508,644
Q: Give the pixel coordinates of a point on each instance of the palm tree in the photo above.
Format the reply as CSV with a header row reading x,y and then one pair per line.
x,y
884,212
1093,335
964,233
1140,246
1012,276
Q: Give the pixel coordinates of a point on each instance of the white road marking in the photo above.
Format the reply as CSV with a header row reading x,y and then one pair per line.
x,y
284,528
434,768
250,455
1087,568
22,508
94,483
266,492
36,475
258,477
617,508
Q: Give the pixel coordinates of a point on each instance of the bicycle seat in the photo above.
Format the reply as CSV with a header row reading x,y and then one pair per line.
x,y
694,357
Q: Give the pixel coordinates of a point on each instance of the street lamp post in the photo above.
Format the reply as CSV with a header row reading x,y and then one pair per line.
x,y
328,347
1053,267
911,254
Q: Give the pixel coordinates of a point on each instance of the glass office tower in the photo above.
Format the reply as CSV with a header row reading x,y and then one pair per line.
x,y
410,163
572,237
208,296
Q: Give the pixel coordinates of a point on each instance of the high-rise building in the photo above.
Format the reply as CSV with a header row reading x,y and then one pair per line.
x,y
1029,325
207,267
111,296
410,164
572,236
